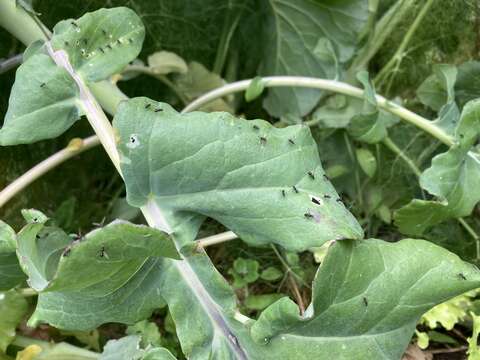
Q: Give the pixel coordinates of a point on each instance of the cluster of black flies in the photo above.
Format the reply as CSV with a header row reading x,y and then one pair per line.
x,y
101,49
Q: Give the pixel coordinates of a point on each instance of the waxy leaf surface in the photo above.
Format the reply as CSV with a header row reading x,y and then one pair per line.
x,y
265,184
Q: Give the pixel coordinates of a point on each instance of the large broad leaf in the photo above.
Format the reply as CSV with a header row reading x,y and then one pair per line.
x,y
297,37
45,100
92,280
13,308
11,274
265,184
367,299
454,178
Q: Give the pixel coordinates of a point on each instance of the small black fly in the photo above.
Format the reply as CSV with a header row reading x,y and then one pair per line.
x,y
460,275
103,253
291,141
295,189
308,215
42,85
365,301
310,173
326,196
158,110
148,106
109,46
263,140
283,193
101,49
74,24
326,177
255,127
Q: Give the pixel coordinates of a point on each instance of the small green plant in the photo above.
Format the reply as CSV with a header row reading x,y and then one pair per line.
x,y
265,183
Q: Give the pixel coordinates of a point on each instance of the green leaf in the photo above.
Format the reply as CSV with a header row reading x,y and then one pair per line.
x,y
127,347
13,308
34,216
367,161
158,354
115,262
148,331
43,102
309,38
367,298
11,273
454,178
197,81
468,84
57,351
337,111
187,178
52,260
449,313
260,302
255,89
244,272
166,62
473,349
271,274
371,124
100,43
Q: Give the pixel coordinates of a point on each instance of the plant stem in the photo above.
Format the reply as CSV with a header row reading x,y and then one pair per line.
x,y
216,239
112,96
329,85
383,29
395,149
27,292
397,57
43,167
473,234
10,63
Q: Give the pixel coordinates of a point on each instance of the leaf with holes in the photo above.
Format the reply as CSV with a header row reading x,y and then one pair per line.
x,y
231,170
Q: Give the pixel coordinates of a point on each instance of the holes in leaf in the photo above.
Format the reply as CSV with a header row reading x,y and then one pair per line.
x,y
133,141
